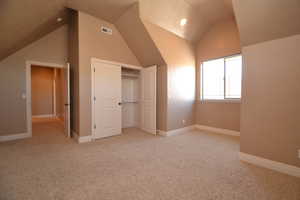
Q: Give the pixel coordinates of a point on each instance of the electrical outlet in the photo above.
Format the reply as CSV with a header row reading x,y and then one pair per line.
x,y
183,121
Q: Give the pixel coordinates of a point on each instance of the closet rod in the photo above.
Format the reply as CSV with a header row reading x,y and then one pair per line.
x,y
131,75
130,102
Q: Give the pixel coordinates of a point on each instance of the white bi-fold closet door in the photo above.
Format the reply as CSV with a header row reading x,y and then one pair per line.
x,y
108,102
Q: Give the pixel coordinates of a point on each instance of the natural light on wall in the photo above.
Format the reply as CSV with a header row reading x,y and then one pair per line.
x,y
221,78
183,81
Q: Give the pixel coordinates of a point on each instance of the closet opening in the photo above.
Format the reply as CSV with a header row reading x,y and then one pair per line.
x,y
130,98
123,98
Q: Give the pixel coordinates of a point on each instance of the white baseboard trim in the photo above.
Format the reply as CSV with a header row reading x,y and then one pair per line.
x,y
217,130
162,133
14,137
176,131
270,164
82,139
43,116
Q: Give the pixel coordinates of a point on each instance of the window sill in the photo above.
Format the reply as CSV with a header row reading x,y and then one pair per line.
x,y
219,101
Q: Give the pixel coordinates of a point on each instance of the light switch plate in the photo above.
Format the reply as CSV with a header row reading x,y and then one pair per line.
x,y
23,96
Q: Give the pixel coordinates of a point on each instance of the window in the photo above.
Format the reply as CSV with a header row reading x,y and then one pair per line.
x,y
222,78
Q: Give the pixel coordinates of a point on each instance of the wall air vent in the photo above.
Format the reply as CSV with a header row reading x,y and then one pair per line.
x,y
106,30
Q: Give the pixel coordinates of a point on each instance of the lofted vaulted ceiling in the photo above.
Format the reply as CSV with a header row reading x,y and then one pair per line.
x,y
200,15
109,10
23,22
260,21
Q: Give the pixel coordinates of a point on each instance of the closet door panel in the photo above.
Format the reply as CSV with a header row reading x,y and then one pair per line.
x,y
107,91
148,100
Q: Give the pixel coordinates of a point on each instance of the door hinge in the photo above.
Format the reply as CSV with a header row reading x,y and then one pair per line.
x,y
94,69
94,98
95,126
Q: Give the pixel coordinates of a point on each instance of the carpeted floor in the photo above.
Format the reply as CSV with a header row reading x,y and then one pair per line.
x,y
135,166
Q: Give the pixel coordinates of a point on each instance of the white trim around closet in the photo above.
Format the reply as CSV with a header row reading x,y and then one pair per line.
x,y
116,63
95,60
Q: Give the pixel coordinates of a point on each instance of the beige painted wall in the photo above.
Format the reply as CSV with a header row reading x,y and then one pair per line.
x,y
51,48
73,58
220,41
94,43
271,100
180,76
42,96
162,98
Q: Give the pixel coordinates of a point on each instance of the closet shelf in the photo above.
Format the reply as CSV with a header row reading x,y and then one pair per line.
x,y
125,102
130,75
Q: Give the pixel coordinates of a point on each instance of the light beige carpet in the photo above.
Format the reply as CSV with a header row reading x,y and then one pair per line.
x,y
135,166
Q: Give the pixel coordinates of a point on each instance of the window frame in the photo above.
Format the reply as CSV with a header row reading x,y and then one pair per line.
x,y
233,100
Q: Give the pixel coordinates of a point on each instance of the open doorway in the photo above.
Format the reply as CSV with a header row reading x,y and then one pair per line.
x,y
48,99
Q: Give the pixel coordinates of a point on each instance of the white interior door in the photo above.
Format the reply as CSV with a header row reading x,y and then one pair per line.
x,y
148,99
107,101
66,90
